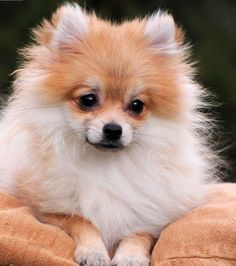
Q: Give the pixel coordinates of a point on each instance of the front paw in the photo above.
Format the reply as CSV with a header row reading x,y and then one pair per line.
x,y
130,260
85,255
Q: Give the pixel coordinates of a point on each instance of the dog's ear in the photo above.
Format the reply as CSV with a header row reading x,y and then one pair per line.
x,y
71,27
162,33
68,25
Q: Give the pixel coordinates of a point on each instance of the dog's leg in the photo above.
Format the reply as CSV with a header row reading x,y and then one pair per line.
x,y
134,250
90,248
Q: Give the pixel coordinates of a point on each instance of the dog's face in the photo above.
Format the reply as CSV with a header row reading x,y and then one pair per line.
x,y
111,79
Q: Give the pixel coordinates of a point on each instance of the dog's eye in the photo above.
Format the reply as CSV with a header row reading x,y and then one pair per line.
x,y
88,101
136,107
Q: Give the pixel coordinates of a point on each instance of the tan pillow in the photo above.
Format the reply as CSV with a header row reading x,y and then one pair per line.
x,y
205,236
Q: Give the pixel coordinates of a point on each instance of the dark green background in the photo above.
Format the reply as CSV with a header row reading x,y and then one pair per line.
x,y
210,27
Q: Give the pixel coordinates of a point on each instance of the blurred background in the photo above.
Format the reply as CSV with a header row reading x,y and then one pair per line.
x,y
210,27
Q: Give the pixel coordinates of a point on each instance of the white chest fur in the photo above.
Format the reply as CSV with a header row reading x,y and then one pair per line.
x,y
121,193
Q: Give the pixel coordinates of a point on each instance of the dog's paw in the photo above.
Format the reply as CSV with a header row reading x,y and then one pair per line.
x,y
85,256
130,260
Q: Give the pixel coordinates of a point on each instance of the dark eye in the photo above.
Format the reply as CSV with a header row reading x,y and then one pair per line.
x,y
88,101
136,107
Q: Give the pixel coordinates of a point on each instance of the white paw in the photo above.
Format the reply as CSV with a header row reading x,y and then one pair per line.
x,y
130,260
85,256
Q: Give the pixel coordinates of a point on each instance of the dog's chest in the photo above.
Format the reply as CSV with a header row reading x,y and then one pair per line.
x,y
113,214
115,206
117,200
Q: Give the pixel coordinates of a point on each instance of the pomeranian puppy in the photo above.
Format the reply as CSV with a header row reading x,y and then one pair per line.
x,y
105,127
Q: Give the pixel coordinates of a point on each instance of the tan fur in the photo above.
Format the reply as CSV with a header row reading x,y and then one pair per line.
x,y
114,67
87,238
138,246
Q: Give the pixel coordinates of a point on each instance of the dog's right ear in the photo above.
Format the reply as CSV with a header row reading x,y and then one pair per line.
x,y
68,26
162,33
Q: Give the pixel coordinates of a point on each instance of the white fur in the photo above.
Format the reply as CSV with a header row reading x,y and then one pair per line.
x,y
95,128
71,27
160,30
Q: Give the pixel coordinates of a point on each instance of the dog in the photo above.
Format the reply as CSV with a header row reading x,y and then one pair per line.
x,y
104,135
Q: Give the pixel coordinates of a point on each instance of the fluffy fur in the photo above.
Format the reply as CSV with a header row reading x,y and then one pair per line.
x,y
166,163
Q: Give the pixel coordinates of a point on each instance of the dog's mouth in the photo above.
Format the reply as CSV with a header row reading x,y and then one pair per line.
x,y
105,145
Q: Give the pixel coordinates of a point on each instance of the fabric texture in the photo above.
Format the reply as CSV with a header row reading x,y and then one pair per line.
x,y
204,236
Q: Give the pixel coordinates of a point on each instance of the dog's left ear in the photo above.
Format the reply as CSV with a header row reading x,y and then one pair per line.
x,y
162,33
68,25
72,26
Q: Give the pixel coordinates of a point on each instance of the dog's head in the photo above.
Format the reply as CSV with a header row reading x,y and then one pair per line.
x,y
112,80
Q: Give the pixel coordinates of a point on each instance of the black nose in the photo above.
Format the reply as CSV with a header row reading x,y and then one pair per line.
x,y
112,131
